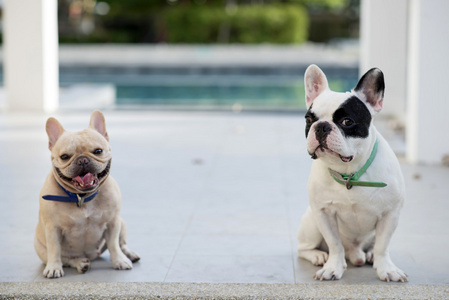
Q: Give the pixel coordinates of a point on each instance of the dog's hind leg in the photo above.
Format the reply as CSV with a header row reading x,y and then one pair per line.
x,y
81,264
133,256
310,241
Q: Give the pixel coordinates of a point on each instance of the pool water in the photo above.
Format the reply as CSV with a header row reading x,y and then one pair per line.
x,y
211,95
248,95
222,91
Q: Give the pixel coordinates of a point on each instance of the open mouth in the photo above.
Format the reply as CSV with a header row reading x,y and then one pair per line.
x,y
323,148
86,181
346,158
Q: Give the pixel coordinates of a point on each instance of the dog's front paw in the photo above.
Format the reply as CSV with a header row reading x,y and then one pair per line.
x,y
53,270
332,270
122,263
387,271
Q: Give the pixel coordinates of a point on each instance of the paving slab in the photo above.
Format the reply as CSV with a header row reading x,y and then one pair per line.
x,y
212,202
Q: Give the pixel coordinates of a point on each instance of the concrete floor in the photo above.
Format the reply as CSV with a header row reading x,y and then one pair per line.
x,y
209,197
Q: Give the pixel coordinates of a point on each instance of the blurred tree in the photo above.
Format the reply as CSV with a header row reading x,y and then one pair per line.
x,y
145,21
245,24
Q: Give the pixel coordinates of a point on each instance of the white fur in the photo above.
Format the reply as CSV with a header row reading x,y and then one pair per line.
x,y
355,224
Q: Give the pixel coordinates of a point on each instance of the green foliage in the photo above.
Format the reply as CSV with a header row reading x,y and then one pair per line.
x,y
329,4
182,24
212,21
247,24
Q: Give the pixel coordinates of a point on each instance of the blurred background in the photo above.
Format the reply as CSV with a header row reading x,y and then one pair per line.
x,y
207,21
227,55
203,54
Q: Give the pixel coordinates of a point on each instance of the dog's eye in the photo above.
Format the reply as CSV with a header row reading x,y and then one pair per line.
x,y
98,151
347,122
64,157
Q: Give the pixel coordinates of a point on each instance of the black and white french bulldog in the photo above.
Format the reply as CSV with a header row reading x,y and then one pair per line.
x,y
356,188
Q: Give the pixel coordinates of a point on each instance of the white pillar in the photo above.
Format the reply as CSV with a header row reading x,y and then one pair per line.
x,y
31,55
428,100
383,44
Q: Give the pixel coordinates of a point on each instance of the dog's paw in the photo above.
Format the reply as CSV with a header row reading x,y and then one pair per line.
x,y
133,256
83,265
53,270
332,270
319,258
122,263
387,271
316,257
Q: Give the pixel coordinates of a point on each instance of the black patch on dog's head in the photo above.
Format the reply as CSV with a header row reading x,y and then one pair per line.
x,y
310,119
353,118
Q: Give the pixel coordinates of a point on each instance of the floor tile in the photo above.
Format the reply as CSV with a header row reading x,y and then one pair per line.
x,y
208,197
232,269
202,244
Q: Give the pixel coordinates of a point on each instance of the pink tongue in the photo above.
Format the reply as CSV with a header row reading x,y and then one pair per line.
x,y
86,180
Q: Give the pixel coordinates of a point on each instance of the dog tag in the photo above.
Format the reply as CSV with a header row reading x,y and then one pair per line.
x,y
340,179
80,200
347,184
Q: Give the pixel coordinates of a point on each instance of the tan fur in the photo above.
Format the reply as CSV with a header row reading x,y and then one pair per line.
x,y
72,236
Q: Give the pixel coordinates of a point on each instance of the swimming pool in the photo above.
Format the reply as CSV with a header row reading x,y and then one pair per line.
x,y
218,88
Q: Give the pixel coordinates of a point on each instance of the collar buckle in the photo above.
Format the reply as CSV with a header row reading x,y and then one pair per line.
x,y
347,182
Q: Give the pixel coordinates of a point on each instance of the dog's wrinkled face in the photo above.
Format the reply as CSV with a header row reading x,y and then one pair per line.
x,y
338,124
81,160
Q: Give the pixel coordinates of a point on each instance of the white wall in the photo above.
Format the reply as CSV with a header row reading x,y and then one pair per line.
x,y
383,41
427,82
31,55
409,41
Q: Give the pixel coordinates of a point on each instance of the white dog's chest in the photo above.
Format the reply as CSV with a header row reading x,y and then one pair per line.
x,y
357,218
357,210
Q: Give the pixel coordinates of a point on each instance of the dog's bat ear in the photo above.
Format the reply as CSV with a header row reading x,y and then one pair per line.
x,y
54,131
371,87
98,123
315,82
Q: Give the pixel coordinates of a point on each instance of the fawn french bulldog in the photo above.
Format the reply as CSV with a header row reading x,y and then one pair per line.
x,y
80,202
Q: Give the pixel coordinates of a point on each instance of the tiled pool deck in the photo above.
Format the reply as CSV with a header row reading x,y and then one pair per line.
x,y
212,203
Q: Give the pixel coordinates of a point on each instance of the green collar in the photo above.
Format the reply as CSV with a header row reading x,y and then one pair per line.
x,y
353,179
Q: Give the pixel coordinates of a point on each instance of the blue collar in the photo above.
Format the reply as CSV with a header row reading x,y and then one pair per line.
x,y
71,198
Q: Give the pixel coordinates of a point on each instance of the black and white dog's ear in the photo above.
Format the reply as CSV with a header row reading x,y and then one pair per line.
x,y
315,82
371,87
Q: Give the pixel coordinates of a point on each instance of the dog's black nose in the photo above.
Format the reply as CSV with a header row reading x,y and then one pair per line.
x,y
83,162
322,130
